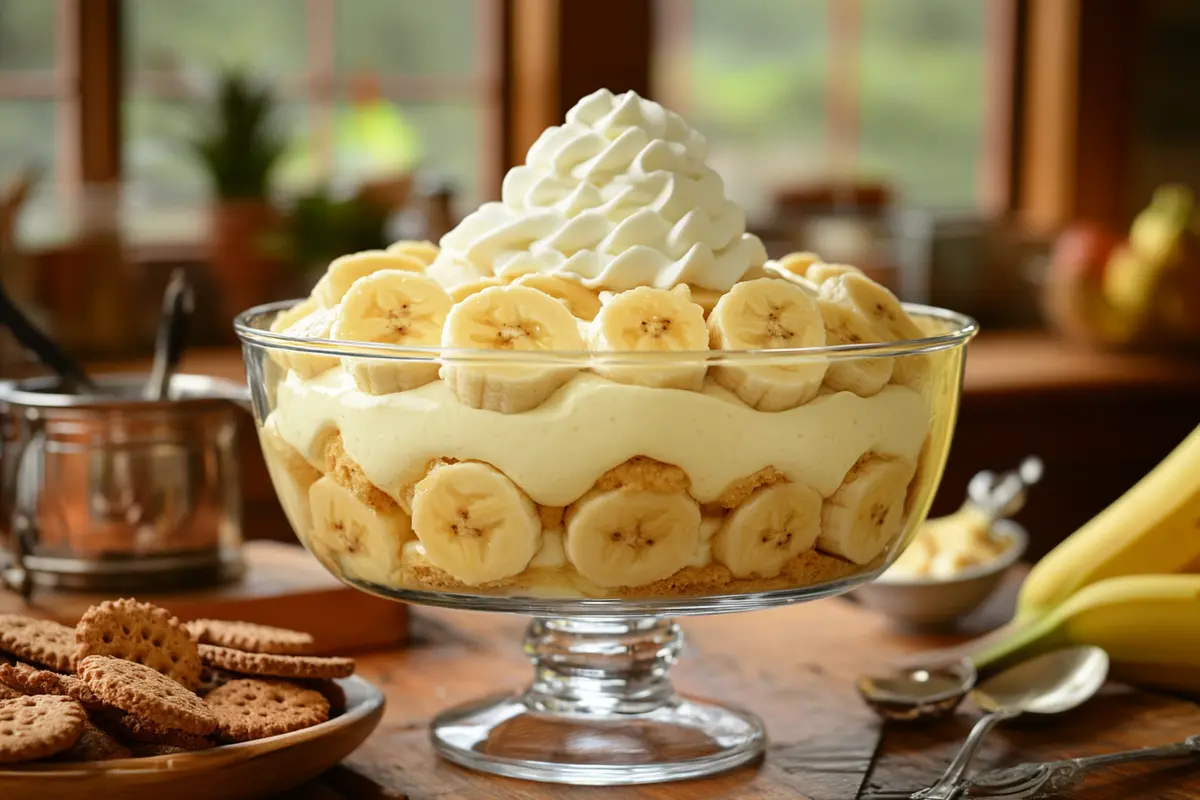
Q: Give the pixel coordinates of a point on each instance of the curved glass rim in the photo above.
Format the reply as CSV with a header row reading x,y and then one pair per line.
x,y
961,329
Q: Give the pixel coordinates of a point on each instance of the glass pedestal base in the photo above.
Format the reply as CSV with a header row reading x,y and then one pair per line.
x,y
600,712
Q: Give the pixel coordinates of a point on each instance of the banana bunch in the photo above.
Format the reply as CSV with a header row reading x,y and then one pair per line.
x,y
1127,581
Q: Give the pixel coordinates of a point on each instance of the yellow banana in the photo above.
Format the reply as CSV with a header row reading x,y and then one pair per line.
x,y
1153,528
1140,620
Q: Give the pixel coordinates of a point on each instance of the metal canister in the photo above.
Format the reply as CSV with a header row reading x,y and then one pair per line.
x,y
113,492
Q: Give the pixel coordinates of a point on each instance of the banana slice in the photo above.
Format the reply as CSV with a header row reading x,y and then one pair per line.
x,y
353,539
797,263
867,511
627,537
892,323
819,272
508,318
344,271
475,523
423,252
317,324
846,325
465,290
291,475
768,314
289,317
776,524
582,302
392,307
651,320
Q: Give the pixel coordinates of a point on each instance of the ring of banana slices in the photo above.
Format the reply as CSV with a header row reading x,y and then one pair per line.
x,y
465,525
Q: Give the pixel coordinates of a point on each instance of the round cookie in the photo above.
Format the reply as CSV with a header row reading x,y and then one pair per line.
x,y
9,693
24,679
38,727
255,709
141,691
41,641
263,664
251,638
141,633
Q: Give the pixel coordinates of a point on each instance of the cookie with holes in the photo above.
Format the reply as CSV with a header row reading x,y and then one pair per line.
x,y
146,694
255,709
142,633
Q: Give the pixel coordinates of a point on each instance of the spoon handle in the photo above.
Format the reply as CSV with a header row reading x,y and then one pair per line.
x,y
172,335
950,784
42,346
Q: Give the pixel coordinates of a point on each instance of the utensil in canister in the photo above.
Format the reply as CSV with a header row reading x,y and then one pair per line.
x,y
922,693
112,492
72,375
1048,684
1049,778
173,324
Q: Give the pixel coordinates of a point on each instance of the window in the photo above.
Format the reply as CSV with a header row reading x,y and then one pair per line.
x,y
36,100
789,91
434,68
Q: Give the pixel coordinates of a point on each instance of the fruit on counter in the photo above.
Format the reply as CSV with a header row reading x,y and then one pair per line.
x,y
1148,624
1153,528
1143,289
945,547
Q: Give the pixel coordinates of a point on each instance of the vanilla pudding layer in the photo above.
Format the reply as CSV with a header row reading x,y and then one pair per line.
x,y
557,451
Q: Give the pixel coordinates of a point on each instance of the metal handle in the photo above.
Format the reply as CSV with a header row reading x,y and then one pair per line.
x,y
949,785
1030,781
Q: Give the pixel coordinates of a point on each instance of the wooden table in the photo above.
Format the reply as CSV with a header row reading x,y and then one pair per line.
x,y
793,666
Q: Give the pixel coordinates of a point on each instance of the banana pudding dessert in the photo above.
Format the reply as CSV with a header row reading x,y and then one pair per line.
x,y
600,386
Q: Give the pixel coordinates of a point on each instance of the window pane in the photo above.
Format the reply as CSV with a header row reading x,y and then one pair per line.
x,y
407,37
751,77
755,77
27,34
921,108
265,35
29,135
166,186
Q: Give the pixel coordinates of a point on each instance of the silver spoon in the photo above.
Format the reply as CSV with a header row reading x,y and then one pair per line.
x,y
921,693
1048,684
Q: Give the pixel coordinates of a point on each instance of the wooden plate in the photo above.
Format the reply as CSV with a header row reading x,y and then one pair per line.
x,y
230,772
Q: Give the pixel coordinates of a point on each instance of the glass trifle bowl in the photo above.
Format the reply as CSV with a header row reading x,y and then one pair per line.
x,y
599,405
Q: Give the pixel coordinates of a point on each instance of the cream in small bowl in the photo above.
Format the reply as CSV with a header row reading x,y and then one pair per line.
x,y
952,566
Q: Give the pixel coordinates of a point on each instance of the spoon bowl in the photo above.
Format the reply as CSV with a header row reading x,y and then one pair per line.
x,y
1049,684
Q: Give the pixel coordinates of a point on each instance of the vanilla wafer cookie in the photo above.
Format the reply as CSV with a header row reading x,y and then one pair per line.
x,y
250,637
38,727
255,709
141,633
145,693
40,641
264,664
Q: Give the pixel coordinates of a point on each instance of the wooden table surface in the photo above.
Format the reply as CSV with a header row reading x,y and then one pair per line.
x,y
793,666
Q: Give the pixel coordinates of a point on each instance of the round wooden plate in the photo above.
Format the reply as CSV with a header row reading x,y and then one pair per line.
x,y
230,772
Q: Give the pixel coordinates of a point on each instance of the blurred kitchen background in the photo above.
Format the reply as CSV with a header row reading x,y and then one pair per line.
x,y
986,155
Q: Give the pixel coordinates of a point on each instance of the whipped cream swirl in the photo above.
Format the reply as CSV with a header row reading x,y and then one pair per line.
x,y
618,197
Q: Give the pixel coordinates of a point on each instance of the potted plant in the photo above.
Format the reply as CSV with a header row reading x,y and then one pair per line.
x,y
239,144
